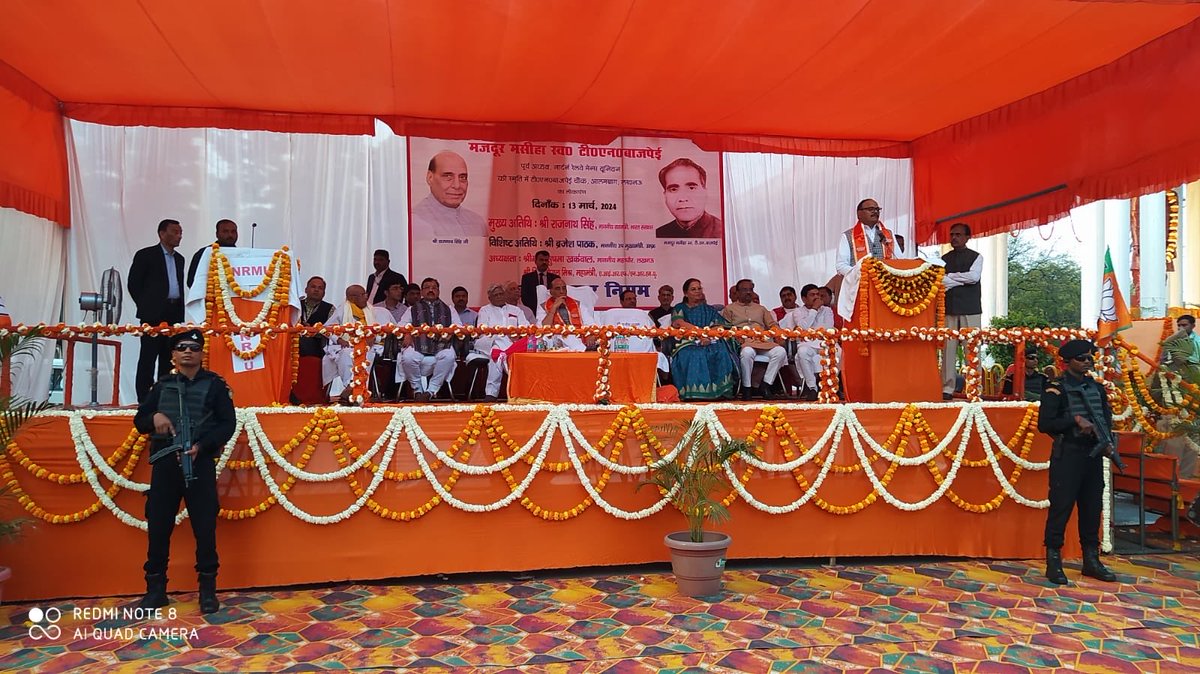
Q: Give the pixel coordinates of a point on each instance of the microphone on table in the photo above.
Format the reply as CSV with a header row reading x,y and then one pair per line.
x,y
253,229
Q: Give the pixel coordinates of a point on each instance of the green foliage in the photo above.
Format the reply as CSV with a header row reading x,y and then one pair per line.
x,y
1002,354
1042,285
14,413
696,475
1179,349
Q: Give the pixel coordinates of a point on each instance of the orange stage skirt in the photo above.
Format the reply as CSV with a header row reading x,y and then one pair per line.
x,y
264,386
566,377
276,549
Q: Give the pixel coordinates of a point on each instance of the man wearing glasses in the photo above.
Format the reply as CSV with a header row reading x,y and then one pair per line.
x,y
1075,412
201,397
867,238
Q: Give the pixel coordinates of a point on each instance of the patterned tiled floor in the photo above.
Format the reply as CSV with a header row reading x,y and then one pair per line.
x,y
923,617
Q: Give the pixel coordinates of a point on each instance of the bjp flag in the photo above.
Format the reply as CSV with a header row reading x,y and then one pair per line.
x,y
1114,315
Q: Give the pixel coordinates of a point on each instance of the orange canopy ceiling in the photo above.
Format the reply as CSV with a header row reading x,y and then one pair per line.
x,y
812,76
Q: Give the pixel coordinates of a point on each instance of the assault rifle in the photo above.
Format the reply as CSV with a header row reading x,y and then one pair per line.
x,y
1105,445
182,443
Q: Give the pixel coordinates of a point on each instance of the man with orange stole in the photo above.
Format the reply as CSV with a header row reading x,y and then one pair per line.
x,y
867,238
561,309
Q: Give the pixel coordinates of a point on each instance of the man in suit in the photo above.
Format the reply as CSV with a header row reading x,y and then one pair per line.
x,y
538,277
383,278
156,285
227,237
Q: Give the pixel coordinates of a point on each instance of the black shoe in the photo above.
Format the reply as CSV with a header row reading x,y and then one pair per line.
x,y
746,393
208,593
1094,568
1054,569
809,394
766,392
489,399
947,396
156,592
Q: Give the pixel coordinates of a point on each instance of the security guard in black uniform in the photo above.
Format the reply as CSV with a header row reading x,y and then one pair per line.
x,y
193,393
1072,406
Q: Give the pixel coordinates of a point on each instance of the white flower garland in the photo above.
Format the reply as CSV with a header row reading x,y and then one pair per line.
x,y
906,273
227,291
404,422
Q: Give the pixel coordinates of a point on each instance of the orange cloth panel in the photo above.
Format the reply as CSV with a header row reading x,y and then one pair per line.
x,y
891,371
33,155
276,548
565,377
253,388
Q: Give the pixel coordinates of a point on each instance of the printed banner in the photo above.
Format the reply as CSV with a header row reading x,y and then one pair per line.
x,y
638,213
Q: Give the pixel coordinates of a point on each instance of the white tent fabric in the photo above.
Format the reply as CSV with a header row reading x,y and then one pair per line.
x,y
784,214
334,199
31,282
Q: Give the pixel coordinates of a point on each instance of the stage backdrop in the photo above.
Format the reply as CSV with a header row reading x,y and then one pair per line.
x,y
603,212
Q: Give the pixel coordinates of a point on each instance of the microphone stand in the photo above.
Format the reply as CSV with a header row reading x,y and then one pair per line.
x,y
253,229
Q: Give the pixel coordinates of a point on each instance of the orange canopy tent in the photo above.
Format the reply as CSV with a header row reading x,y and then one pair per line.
x,y
1013,111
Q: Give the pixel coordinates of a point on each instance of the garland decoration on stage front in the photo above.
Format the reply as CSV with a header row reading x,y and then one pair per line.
x,y
222,287
441,469
908,292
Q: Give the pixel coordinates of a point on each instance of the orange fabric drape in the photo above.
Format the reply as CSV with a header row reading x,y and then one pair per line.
x,y
265,386
1124,129
263,551
891,371
220,118
33,155
571,377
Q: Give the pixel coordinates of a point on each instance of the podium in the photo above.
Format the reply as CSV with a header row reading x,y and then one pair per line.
x,y
258,375
902,371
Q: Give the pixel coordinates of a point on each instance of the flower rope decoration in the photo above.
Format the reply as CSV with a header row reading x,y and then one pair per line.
x,y
485,424
1172,228
222,286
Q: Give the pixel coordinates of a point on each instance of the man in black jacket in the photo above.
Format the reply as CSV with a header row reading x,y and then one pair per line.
x,y
156,285
1075,412
203,399
227,237
538,277
383,278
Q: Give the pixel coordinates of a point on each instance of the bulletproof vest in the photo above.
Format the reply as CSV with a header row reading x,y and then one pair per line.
x,y
1091,391
195,393
962,300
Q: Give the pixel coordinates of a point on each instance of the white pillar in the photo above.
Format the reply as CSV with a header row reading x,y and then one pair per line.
x,y
995,275
1091,224
1118,238
1152,229
1187,261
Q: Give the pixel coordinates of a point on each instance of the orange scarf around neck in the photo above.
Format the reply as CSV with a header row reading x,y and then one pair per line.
x,y
861,249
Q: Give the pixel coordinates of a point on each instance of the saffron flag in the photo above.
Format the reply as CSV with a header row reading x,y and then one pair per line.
x,y
1114,315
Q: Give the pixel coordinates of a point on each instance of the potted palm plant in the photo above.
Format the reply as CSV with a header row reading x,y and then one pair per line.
x,y
692,480
14,413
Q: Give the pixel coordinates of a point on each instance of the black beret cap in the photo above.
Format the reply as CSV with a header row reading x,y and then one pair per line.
x,y
1075,348
189,336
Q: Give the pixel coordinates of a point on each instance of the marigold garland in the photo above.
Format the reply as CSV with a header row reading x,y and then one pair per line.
x,y
222,284
133,446
1172,228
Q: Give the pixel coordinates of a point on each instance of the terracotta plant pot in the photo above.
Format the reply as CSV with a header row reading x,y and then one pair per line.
x,y
698,566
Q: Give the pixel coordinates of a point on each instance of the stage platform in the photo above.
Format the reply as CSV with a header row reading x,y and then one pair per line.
x,y
335,494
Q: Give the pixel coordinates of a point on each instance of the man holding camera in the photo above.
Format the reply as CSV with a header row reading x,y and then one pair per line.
x,y
194,407
1075,412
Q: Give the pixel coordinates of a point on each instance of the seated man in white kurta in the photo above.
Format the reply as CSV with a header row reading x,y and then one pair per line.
x,y
339,357
562,309
428,357
497,312
812,315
